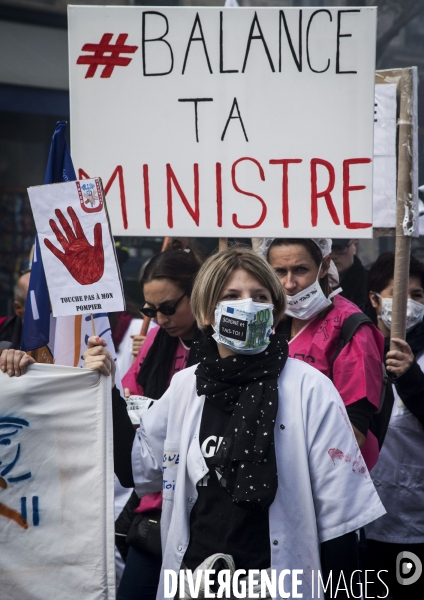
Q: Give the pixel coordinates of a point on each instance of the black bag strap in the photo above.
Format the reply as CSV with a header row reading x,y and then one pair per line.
x,y
381,418
349,328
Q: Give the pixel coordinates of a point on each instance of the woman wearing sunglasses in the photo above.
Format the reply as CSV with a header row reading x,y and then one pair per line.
x,y
253,450
167,283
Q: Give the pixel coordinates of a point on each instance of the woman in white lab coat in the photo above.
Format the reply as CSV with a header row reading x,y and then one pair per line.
x,y
253,450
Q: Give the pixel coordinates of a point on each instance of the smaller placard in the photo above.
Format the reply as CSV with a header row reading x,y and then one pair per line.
x,y
77,248
385,167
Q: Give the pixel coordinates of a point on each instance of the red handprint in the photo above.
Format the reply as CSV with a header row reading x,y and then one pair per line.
x,y
84,262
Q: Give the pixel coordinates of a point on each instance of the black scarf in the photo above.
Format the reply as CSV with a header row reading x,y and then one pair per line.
x,y
153,375
245,386
414,337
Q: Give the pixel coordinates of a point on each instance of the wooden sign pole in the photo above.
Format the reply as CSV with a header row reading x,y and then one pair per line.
x,y
223,244
403,208
93,327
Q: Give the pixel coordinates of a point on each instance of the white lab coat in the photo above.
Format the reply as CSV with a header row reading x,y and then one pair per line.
x,y
324,487
399,478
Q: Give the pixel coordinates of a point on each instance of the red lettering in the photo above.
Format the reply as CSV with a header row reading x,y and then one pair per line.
x,y
146,194
120,173
285,185
218,177
236,187
171,179
325,194
352,188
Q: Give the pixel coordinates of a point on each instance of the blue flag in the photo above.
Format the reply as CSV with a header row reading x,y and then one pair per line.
x,y
36,329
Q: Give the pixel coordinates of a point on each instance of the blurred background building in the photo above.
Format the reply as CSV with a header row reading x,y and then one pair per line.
x,y
34,95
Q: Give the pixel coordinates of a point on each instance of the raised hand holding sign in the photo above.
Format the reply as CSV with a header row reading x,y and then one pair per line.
x,y
77,247
84,262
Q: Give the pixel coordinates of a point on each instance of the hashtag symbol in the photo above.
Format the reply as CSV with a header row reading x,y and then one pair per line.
x,y
110,62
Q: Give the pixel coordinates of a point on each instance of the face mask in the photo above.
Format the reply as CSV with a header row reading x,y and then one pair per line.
x,y
243,326
414,312
309,302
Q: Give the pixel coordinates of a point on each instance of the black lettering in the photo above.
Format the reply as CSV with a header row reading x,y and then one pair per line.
x,y
145,41
86,308
340,35
195,100
297,59
221,47
307,40
234,106
197,39
257,37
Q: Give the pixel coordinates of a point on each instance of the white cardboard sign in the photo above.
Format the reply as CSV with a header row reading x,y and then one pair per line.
x,y
56,485
77,247
385,162
226,122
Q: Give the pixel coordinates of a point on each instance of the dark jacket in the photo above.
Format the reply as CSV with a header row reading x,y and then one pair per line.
x,y
11,331
354,283
410,385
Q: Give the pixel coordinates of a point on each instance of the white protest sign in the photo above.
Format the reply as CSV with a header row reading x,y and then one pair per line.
x,y
385,162
56,485
226,122
77,247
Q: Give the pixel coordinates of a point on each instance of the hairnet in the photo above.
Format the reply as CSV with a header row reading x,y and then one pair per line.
x,y
324,244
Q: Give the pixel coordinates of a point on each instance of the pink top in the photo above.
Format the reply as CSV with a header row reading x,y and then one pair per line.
x,y
357,371
149,502
179,363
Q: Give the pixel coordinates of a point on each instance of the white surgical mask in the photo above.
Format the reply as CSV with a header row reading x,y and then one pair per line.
x,y
414,312
309,302
243,326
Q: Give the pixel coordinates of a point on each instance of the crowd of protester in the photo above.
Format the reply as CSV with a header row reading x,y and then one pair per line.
x,y
296,433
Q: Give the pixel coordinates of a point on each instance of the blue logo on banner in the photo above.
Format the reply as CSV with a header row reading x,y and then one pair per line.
x,y
11,471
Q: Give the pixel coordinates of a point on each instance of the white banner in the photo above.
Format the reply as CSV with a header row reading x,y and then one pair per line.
x,y
56,486
226,122
77,248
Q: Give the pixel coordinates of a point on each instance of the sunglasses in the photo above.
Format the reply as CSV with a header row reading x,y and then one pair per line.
x,y
166,309
341,250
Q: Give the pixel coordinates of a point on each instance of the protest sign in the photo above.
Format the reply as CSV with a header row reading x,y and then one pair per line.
x,y
77,247
385,161
392,159
56,485
401,218
226,122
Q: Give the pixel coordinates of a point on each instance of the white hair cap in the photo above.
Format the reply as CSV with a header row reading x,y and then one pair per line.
x,y
324,244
